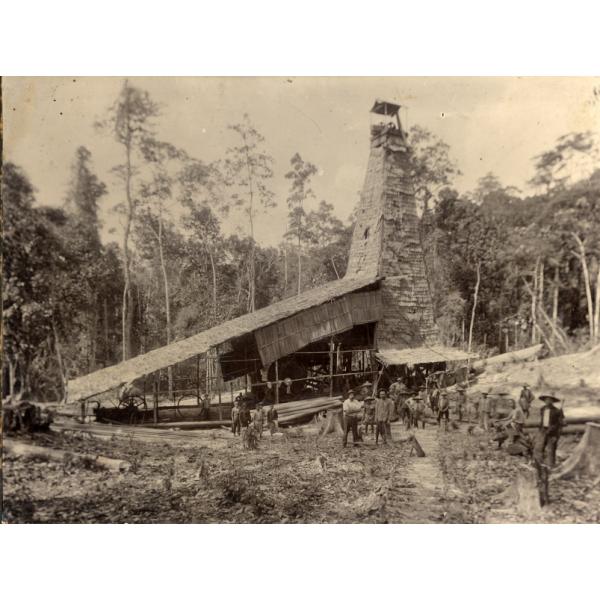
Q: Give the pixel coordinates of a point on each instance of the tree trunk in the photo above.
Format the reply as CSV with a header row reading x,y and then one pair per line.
x,y
106,335
251,273
12,371
163,268
335,268
285,270
597,308
475,295
541,286
64,377
126,309
588,289
534,296
299,264
555,295
214,284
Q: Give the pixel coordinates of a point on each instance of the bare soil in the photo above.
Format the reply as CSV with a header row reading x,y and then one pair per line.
x,y
296,477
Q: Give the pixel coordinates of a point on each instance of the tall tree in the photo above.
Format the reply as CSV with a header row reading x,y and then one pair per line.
x,y
248,171
129,121
300,175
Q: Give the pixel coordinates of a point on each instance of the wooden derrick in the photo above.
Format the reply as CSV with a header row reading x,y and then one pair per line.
x,y
585,458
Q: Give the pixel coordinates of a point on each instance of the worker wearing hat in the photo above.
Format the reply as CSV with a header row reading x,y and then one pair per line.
x,y
444,410
551,424
487,408
525,399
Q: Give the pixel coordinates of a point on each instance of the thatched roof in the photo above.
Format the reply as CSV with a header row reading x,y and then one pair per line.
x,y
144,364
422,355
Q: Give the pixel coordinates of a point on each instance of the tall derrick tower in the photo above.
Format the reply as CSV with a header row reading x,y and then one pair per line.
x,y
386,240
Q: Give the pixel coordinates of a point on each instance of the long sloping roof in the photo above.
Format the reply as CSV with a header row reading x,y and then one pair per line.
x,y
422,355
144,364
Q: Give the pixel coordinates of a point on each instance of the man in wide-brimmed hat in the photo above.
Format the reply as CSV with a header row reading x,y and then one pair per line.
x,y
444,410
551,423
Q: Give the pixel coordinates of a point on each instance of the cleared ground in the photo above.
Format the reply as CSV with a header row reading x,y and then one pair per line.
x,y
297,477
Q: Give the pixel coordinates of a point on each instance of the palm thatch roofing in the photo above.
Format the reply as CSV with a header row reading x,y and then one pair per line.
x,y
422,355
116,375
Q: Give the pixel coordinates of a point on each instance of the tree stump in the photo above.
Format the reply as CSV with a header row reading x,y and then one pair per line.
x,y
527,493
416,446
333,423
585,458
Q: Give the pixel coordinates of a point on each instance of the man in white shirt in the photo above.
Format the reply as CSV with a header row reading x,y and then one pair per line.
x,y
352,411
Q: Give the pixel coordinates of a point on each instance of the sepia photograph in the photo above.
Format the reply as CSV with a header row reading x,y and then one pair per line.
x,y
300,300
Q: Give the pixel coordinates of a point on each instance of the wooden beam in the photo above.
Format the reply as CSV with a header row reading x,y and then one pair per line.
x,y
276,382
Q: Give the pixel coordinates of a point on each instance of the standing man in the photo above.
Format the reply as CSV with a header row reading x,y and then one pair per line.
x,y
259,419
419,412
486,410
551,424
461,400
381,417
391,406
272,419
352,409
525,399
397,389
235,418
517,417
444,410
369,415
434,399
244,416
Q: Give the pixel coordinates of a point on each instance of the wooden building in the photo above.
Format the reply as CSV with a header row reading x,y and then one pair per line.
x,y
377,318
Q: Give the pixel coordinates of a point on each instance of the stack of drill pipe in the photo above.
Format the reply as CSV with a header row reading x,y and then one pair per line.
x,y
291,411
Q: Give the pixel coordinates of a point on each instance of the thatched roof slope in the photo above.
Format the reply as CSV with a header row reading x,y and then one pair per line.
x,y
144,364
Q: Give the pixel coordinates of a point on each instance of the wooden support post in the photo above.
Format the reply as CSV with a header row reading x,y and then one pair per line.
x,y
198,380
220,407
331,345
276,382
156,393
231,390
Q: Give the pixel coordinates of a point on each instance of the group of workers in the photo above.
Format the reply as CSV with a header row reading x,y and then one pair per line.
x,y
242,418
364,413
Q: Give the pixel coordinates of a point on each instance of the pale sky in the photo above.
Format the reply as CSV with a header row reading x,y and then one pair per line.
x,y
491,124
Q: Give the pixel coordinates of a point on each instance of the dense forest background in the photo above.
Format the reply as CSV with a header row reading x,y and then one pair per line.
x,y
506,269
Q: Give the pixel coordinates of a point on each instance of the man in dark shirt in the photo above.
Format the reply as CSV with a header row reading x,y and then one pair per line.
x,y
272,418
245,417
551,423
525,399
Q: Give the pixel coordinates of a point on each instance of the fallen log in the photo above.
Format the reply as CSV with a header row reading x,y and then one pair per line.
x,y
578,415
20,450
509,357
585,458
185,425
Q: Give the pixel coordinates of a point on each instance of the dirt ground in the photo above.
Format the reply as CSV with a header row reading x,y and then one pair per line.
x,y
295,477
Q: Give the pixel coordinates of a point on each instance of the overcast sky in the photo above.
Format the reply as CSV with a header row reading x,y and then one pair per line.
x,y
491,124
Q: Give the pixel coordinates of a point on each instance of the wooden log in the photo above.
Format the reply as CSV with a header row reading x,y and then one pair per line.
x,y
18,449
579,415
509,357
585,458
